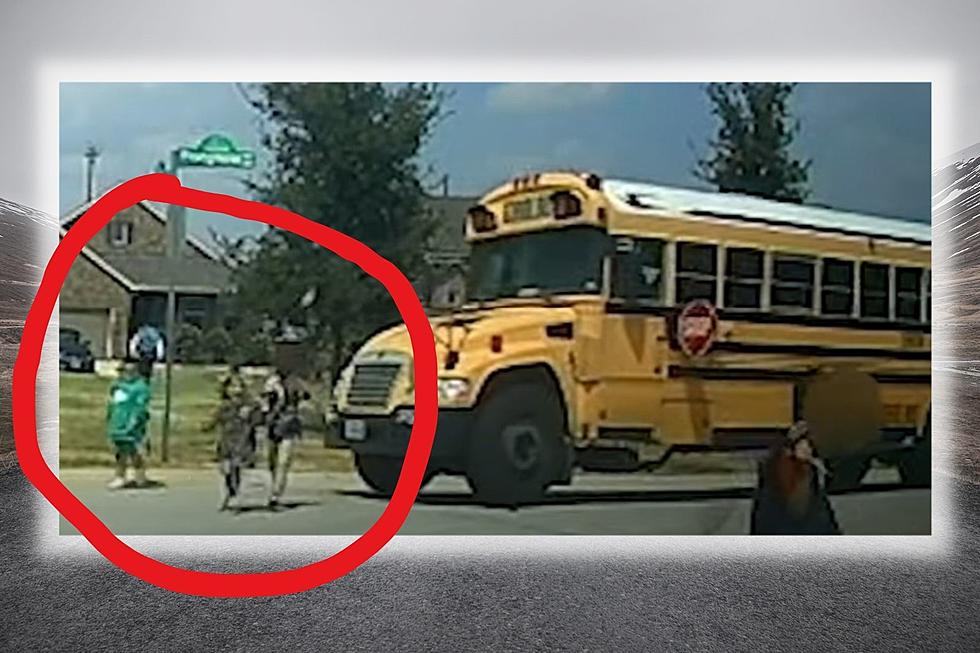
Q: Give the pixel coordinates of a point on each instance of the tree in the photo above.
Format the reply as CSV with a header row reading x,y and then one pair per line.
x,y
345,155
751,151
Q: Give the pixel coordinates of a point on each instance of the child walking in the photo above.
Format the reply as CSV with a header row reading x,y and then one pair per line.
x,y
127,414
237,418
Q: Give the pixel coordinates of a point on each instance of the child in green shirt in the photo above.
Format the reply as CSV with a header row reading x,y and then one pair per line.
x,y
127,414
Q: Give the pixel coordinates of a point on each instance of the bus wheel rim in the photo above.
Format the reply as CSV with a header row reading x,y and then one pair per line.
x,y
522,443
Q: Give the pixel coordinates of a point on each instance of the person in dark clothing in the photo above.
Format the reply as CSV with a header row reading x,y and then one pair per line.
x,y
282,396
791,498
237,418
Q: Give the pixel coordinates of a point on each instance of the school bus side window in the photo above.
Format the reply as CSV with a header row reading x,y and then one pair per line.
x,y
744,272
697,272
792,283
837,287
638,267
908,294
874,290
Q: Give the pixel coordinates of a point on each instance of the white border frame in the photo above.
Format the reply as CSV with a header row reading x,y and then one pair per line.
x,y
303,549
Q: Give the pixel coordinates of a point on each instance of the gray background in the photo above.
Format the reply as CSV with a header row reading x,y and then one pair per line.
x,y
518,601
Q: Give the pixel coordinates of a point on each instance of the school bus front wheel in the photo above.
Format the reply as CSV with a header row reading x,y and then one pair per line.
x,y
915,465
516,450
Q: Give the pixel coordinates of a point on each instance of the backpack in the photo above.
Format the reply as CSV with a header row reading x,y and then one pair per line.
x,y
128,410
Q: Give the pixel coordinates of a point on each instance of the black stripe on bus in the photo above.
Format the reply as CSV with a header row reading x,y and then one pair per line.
x,y
820,350
757,374
759,317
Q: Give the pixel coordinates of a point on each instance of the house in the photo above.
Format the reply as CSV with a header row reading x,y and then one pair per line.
x,y
120,280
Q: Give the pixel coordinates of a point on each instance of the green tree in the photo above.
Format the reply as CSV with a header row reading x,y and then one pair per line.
x,y
344,155
751,151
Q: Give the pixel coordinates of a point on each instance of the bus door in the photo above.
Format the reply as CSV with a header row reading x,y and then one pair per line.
x,y
627,337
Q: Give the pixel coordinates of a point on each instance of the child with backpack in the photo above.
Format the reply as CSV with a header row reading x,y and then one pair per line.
x,y
237,418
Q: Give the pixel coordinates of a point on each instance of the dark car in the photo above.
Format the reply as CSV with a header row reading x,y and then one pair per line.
x,y
75,353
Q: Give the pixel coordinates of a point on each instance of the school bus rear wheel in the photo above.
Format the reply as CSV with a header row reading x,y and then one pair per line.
x,y
847,473
915,465
516,448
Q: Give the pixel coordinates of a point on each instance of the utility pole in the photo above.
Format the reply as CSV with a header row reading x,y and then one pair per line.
x,y
176,229
92,154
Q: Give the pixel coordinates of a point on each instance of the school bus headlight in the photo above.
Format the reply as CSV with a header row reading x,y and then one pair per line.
x,y
453,390
405,416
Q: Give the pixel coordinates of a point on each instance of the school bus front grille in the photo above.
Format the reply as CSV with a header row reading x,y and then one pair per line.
x,y
372,384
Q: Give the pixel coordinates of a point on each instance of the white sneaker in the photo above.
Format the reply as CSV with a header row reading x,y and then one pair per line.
x,y
117,483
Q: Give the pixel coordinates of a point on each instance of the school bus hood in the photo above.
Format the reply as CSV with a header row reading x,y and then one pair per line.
x,y
480,338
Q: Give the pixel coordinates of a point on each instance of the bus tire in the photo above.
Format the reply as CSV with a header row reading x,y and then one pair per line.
x,y
516,451
381,472
915,465
847,473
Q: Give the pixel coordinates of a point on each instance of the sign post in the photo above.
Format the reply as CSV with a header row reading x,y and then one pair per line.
x,y
213,151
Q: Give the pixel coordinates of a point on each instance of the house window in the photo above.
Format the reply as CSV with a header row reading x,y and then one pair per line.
x,y
874,290
638,270
744,271
697,272
120,233
908,294
837,287
792,283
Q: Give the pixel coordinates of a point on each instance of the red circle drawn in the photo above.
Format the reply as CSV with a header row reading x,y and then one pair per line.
x,y
167,189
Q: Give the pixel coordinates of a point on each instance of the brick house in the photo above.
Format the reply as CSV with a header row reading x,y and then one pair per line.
x,y
120,280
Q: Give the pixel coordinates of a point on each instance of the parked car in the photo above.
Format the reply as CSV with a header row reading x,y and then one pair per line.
x,y
75,353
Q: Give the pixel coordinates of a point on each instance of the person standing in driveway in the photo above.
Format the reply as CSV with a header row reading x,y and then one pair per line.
x,y
791,498
146,347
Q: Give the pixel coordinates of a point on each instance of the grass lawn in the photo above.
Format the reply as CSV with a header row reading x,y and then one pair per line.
x,y
83,440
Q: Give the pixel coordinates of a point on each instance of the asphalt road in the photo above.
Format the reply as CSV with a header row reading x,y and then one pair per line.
x,y
21,232
596,504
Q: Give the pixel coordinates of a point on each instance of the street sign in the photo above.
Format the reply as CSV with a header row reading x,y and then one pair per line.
x,y
215,151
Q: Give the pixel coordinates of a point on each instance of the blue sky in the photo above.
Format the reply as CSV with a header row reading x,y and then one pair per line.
x,y
870,143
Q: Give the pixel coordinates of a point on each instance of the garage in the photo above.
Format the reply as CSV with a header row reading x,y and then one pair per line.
x,y
93,325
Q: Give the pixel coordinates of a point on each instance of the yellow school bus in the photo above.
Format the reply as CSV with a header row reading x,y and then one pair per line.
x,y
609,324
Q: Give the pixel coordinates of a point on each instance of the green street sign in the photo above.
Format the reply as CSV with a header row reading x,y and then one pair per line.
x,y
215,151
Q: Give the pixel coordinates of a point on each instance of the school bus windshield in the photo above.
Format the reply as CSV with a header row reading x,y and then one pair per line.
x,y
561,261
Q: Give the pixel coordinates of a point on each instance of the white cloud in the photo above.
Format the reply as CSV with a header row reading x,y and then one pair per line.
x,y
530,98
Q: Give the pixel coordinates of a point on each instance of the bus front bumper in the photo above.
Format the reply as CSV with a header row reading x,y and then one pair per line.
x,y
388,436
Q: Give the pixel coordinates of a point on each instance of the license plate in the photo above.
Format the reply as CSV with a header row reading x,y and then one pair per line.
x,y
355,429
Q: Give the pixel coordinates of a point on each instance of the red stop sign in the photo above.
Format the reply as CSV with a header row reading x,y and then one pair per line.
x,y
697,326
